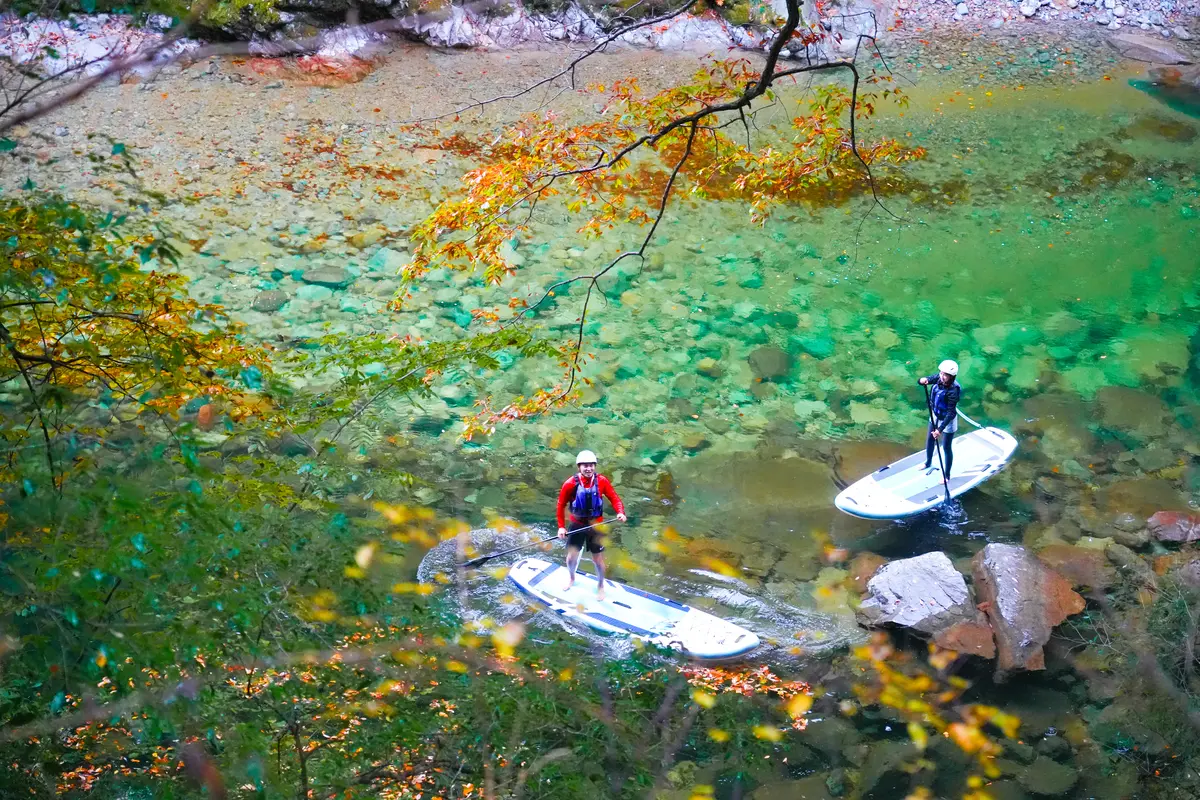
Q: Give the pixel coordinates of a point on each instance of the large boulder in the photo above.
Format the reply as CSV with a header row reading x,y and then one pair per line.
x,y
1151,49
1174,526
927,594
1023,599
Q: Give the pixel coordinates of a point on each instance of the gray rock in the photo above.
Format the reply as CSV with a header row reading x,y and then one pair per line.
x,y
1140,47
1047,778
269,301
331,277
925,593
1181,32
61,130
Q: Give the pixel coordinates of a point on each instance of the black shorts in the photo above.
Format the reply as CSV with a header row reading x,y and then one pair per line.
x,y
591,538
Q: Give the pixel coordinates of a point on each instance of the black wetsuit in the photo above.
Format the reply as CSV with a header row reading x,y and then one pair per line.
x,y
944,401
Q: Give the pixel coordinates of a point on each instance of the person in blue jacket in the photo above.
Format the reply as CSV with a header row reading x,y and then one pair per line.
x,y
943,399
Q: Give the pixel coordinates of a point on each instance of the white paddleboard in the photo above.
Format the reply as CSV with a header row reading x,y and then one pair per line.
x,y
632,612
905,487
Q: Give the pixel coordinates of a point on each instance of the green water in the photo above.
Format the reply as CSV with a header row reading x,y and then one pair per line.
x,y
1047,243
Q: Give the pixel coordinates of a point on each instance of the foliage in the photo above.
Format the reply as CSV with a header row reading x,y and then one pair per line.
x,y
596,169
95,333
182,637
213,14
1174,630
927,698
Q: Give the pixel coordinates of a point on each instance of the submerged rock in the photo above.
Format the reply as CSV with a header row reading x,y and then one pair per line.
x,y
770,363
330,277
1024,600
1045,777
269,301
1083,566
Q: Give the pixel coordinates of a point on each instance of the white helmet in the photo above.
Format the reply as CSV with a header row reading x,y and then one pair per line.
x,y
949,367
585,457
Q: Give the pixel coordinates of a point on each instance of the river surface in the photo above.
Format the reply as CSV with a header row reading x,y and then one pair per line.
x,y
1048,243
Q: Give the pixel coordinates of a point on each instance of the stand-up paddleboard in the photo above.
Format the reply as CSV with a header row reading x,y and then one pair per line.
x,y
905,487
633,612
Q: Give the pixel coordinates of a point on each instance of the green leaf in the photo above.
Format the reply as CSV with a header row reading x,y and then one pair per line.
x,y
7,145
118,149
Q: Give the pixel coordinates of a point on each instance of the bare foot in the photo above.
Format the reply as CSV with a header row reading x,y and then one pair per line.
x,y
600,592
570,585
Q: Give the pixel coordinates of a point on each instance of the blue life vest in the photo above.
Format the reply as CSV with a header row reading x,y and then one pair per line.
x,y
587,503
941,409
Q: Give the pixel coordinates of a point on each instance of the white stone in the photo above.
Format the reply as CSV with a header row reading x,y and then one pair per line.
x,y
1181,32
1110,4
1119,12
962,9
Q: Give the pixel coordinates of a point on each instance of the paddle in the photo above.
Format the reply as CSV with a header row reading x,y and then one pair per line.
x,y
937,445
474,562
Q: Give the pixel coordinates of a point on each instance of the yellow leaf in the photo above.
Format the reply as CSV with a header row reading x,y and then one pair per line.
x,y
718,735
457,666
799,705
919,735
364,555
720,567
704,699
506,638
768,732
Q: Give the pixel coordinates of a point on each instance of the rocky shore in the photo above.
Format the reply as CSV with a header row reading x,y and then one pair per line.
x,y
62,45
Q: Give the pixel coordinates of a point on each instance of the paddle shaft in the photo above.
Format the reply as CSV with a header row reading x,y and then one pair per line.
x,y
937,444
477,561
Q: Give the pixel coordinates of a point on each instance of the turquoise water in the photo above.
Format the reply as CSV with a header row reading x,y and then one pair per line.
x,y
1046,243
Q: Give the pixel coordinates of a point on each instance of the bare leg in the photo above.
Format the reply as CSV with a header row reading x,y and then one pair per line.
x,y
572,564
598,560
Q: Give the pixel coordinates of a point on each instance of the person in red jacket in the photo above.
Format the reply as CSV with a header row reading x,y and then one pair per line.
x,y
584,492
